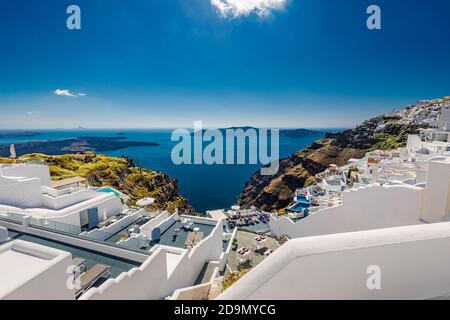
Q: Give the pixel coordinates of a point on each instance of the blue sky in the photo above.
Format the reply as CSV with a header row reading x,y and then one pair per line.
x,y
152,63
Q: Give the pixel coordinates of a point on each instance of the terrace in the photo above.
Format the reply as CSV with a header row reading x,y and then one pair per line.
x,y
91,258
254,255
174,236
248,219
25,269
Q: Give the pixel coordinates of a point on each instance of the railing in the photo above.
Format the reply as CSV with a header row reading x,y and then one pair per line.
x,y
12,217
77,232
55,226
63,229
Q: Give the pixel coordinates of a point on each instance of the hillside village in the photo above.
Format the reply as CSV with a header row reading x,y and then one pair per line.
x,y
384,132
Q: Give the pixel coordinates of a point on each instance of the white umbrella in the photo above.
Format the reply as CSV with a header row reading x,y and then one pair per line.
x,y
145,202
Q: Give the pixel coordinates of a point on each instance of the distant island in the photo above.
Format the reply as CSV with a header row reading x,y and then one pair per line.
x,y
292,133
79,144
299,133
19,134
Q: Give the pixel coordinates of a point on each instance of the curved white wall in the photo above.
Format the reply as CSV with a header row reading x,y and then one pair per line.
x,y
370,207
414,263
152,280
375,207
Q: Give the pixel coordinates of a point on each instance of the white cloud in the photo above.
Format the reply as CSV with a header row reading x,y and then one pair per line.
x,y
68,93
236,8
64,93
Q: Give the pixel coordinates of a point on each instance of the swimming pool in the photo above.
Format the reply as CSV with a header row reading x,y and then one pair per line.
x,y
299,206
117,193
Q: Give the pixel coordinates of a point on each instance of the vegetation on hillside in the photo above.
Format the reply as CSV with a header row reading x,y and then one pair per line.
x,y
230,278
393,136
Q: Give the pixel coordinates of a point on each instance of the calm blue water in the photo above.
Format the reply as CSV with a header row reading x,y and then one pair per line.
x,y
206,187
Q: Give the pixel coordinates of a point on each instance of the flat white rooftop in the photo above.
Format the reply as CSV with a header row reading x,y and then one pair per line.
x,y
217,214
44,212
22,262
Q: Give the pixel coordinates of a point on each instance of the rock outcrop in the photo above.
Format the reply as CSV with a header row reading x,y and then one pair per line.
x,y
271,193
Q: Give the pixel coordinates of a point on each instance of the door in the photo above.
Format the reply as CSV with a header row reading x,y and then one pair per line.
x,y
93,217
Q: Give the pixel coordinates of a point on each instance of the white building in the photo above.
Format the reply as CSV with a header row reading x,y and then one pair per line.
x,y
443,122
27,189
409,262
30,271
121,252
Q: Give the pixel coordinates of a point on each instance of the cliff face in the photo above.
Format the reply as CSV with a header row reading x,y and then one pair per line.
x,y
119,173
271,193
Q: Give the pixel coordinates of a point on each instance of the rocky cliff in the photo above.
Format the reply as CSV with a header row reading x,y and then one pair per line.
x,y
271,193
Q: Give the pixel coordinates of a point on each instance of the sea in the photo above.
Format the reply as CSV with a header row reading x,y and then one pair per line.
x,y
206,187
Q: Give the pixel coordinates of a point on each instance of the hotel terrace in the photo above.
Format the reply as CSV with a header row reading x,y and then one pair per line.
x,y
81,242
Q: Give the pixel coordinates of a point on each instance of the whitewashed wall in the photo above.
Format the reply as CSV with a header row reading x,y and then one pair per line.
x,y
49,282
152,281
146,229
29,171
414,263
67,200
365,208
437,197
375,206
21,193
224,255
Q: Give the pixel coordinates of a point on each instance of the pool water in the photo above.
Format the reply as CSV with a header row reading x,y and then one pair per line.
x,y
299,206
109,190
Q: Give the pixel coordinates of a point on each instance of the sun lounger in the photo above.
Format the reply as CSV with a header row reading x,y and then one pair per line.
x,y
88,278
189,240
